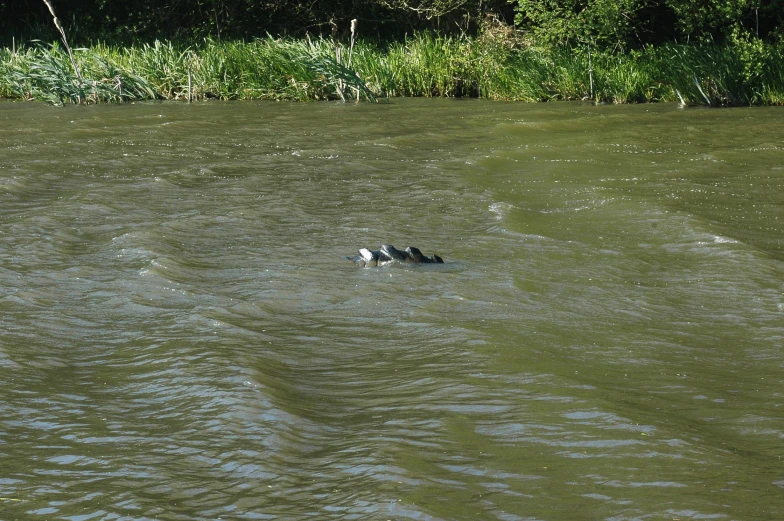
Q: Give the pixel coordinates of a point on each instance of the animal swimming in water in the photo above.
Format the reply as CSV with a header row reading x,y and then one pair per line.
x,y
389,253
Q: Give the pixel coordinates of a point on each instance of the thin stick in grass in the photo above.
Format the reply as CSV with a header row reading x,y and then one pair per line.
x,y
353,39
351,52
65,40
590,70
697,83
683,102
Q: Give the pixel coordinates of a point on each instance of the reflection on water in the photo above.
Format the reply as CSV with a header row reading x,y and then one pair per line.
x,y
182,338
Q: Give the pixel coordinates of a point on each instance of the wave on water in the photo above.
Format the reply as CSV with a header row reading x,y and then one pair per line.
x,y
501,209
724,240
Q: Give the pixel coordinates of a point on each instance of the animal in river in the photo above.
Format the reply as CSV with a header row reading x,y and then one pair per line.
x,y
389,253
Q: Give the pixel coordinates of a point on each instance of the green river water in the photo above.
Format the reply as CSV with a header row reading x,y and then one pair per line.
x,y
181,337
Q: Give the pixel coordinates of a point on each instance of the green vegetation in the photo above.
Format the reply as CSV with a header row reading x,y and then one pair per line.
x,y
610,24
490,66
625,24
716,52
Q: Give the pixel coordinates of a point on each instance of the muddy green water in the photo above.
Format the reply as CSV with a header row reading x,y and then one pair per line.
x,y
181,339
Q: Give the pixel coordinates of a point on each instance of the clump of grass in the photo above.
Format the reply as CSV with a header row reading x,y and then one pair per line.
x,y
709,74
522,76
47,74
745,73
501,68
628,78
429,65
717,75
262,69
7,58
162,65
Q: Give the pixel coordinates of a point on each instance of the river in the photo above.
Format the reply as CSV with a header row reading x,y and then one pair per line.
x,y
181,337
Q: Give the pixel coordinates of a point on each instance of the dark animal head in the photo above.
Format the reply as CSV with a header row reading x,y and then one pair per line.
x,y
415,254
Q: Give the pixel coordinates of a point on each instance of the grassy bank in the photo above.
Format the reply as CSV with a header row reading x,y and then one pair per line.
x,y
745,73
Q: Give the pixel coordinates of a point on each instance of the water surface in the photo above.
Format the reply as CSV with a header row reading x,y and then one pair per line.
x,y
180,337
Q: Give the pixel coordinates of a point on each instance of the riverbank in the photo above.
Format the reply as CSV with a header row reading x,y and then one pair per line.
x,y
491,66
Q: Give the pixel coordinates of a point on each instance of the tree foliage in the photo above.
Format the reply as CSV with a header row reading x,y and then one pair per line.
x,y
610,24
634,23
146,20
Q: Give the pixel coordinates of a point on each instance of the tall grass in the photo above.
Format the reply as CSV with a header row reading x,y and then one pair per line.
x,y
46,73
725,75
428,65
423,65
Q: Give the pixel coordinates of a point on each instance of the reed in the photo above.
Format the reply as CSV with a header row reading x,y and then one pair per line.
x,y
48,74
430,65
425,64
65,39
732,75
